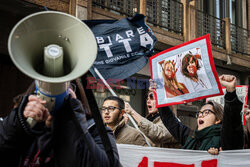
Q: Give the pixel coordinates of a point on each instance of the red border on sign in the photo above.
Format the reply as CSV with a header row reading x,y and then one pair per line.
x,y
210,56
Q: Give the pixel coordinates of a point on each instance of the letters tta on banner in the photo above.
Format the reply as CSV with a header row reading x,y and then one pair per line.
x,y
185,73
139,156
123,46
242,93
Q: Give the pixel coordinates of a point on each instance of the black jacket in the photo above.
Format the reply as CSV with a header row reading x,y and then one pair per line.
x,y
71,146
232,135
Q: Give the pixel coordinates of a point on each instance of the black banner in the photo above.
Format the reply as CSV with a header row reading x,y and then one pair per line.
x,y
123,46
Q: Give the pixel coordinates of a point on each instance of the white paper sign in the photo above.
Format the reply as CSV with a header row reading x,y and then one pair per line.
x,y
139,156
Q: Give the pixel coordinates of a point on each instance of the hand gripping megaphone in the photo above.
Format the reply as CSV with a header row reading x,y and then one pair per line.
x,y
53,48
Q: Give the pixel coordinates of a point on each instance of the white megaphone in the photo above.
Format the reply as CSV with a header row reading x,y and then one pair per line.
x,y
53,48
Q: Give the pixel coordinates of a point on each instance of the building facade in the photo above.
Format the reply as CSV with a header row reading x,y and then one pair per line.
x,y
172,21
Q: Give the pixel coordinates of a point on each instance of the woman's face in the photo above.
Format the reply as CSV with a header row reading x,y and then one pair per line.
x,y
169,71
206,117
151,103
191,68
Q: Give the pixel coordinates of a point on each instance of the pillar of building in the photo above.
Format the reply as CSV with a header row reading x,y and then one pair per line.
x,y
89,10
185,20
228,35
72,7
82,11
244,13
248,9
238,20
143,7
192,20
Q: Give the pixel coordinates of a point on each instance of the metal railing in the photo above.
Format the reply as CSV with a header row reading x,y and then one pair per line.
x,y
128,7
240,39
209,24
168,14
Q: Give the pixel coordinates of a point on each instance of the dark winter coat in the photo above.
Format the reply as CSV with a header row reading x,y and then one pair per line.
x,y
70,146
204,139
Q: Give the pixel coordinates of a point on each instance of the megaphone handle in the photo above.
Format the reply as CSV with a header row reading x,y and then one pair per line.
x,y
31,122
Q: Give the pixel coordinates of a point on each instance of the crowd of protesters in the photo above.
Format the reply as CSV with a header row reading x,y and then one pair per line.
x,y
218,127
70,137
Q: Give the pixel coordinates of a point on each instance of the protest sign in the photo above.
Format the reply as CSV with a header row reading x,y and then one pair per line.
x,y
241,91
139,156
185,73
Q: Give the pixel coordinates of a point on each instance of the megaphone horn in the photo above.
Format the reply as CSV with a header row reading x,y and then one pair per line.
x,y
53,48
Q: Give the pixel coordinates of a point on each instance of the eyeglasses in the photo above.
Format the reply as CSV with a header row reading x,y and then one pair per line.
x,y
204,113
151,96
109,109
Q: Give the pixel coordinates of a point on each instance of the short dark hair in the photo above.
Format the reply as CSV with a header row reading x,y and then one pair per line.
x,y
218,109
120,102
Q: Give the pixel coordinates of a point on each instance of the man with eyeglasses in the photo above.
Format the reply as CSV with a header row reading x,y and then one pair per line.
x,y
112,114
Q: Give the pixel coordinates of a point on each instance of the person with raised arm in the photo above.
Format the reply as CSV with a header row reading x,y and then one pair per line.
x,y
217,127
152,126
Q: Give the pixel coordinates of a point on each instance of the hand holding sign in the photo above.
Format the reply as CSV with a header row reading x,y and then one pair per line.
x,y
229,81
128,108
152,85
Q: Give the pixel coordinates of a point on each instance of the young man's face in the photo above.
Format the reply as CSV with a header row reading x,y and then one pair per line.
x,y
206,117
151,103
191,68
112,114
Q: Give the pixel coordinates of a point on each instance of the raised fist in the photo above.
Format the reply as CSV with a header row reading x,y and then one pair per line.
x,y
229,81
